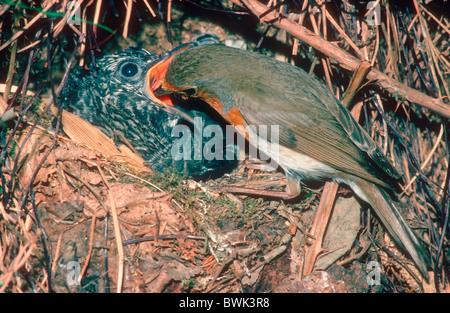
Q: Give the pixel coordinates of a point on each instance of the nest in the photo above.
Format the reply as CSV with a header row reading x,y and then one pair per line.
x,y
79,214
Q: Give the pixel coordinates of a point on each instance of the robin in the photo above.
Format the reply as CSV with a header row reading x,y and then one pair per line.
x,y
111,97
318,139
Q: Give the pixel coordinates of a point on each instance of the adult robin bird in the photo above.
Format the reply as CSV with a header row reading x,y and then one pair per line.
x,y
111,97
318,139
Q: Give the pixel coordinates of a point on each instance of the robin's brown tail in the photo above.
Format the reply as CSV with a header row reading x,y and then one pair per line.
x,y
389,215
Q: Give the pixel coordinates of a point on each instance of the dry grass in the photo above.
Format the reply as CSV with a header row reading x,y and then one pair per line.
x,y
403,103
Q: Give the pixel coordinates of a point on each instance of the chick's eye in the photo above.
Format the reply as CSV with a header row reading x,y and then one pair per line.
x,y
129,70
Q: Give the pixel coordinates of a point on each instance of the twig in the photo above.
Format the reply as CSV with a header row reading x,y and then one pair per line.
x,y
318,229
98,6
342,33
447,30
60,26
91,245
57,252
356,256
91,189
377,47
117,233
396,258
127,18
144,180
325,66
216,10
29,24
428,158
442,237
119,243
355,83
55,137
149,8
431,52
83,37
20,259
161,237
11,70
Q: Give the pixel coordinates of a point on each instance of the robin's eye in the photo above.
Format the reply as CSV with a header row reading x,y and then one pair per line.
x,y
129,70
190,91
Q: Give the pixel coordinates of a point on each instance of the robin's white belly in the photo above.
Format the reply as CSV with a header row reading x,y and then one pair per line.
x,y
292,161
303,165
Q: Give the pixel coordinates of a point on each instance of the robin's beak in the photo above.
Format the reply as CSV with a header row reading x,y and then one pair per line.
x,y
161,94
156,83
156,86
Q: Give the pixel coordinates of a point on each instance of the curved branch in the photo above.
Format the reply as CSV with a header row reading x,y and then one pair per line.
x,y
346,60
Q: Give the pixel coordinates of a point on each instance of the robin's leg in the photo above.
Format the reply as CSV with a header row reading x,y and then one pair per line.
x,y
251,165
292,191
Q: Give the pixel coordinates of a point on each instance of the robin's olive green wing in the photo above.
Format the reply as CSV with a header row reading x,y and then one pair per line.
x,y
322,139
312,122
